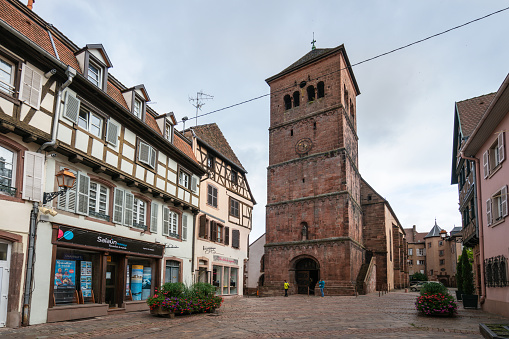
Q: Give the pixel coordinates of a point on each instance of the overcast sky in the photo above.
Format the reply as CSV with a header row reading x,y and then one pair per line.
x,y
228,48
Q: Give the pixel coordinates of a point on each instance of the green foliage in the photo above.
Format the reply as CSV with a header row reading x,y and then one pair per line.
x,y
436,304
418,276
202,290
433,287
174,289
459,274
468,276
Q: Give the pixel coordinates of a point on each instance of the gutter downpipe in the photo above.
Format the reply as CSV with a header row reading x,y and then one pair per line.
x,y
70,72
477,192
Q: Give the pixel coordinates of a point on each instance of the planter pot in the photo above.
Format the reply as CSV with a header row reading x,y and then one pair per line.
x,y
159,312
470,300
458,295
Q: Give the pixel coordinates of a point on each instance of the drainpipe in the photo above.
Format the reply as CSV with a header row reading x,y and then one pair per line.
x,y
70,72
477,192
192,256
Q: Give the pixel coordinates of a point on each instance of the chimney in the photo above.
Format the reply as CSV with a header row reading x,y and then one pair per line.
x,y
30,4
414,231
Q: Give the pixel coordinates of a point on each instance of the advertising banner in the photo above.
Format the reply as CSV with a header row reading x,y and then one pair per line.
x,y
78,236
136,281
65,273
147,283
86,279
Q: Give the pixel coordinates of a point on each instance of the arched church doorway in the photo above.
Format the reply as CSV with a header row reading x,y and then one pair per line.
x,y
307,273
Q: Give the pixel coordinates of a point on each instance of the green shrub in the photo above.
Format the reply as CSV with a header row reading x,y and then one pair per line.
x,y
418,276
468,275
203,290
436,304
459,274
433,287
173,290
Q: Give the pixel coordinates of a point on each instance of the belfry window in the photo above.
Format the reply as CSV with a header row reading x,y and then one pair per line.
x,y
288,102
296,99
311,93
321,89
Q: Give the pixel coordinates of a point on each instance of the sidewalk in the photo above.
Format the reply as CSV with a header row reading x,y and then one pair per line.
x,y
392,315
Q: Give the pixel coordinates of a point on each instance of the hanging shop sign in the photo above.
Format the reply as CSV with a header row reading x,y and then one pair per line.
x,y
78,236
226,260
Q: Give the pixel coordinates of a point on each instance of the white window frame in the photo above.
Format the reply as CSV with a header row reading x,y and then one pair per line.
x,y
88,122
138,108
98,193
91,72
12,169
150,158
410,251
421,252
496,207
174,227
139,211
211,197
421,262
184,179
168,132
9,87
494,156
184,227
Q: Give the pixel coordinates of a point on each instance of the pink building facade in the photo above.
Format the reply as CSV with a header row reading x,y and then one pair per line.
x,y
487,144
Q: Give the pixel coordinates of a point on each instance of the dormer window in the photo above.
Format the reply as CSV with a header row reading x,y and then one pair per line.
x,y
168,132
95,74
137,109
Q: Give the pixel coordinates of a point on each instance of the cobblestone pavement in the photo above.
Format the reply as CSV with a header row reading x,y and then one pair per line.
x,y
392,315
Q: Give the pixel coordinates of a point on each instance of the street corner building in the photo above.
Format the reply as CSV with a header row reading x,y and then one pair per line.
x,y
126,224
226,208
318,224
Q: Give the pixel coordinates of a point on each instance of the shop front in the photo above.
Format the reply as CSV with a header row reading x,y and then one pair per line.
x,y
225,275
96,274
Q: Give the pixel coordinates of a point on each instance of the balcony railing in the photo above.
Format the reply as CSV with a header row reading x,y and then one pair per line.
x,y
99,215
469,234
174,235
140,226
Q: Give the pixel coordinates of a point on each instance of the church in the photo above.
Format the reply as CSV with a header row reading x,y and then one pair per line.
x,y
318,223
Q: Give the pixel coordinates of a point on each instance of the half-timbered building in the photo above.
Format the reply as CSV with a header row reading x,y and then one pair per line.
x,y
127,223
225,218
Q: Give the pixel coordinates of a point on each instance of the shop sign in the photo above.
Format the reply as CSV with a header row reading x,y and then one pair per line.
x,y
226,260
78,236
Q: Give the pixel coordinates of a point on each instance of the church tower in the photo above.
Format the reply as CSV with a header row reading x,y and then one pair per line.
x,y
313,213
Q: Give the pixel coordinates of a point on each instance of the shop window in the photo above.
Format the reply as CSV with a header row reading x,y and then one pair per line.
x,y
225,279
217,278
139,275
77,277
494,156
234,208
311,93
288,102
212,196
321,89
98,201
296,99
172,272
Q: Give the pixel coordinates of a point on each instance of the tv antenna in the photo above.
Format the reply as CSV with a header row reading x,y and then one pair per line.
x,y
198,102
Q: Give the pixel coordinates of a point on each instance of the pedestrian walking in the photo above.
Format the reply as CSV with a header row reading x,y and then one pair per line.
x,y
321,284
287,286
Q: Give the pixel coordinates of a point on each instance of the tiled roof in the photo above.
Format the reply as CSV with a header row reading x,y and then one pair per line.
x,y
213,137
311,55
149,120
419,237
435,231
116,95
456,231
471,110
183,146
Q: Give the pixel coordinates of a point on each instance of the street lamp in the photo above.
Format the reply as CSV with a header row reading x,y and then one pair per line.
x,y
65,180
443,234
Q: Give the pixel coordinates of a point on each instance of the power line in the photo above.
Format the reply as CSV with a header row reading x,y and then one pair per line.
x,y
360,62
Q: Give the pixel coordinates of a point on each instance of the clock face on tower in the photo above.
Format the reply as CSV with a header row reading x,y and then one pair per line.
x,y
303,146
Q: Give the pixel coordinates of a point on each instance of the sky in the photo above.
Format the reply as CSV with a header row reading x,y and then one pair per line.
x,y
227,49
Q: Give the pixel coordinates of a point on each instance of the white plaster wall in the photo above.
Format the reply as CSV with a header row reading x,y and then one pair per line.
x,y
129,137
171,189
172,164
160,184
126,167
111,159
161,170
256,251
97,149
172,177
6,106
24,111
195,201
162,158
48,100
64,134
128,151
81,141
98,55
150,178
41,121
180,194
140,172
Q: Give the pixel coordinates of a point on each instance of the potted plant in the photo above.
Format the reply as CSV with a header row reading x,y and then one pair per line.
x,y
468,297
459,279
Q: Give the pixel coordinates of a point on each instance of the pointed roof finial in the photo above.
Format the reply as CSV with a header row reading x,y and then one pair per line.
x,y
313,42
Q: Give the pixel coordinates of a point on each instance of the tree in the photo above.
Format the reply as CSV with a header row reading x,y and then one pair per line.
x,y
468,275
418,276
459,274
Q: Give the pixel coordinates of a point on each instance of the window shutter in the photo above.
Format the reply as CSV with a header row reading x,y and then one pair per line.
x,y
194,183
227,236
32,87
153,219
488,211
128,209
174,222
503,193
83,193
184,227
485,163
166,220
118,206
112,133
501,147
152,157
203,227
33,174
235,238
213,230
144,153
71,107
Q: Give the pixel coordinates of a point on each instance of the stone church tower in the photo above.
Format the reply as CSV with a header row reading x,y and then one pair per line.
x,y
314,218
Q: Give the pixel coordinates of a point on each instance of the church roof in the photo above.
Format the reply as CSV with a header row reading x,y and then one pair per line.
x,y
211,135
313,56
435,231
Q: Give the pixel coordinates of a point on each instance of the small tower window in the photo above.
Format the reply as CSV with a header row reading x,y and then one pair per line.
x,y
288,102
311,93
296,99
291,132
352,111
314,125
346,97
321,89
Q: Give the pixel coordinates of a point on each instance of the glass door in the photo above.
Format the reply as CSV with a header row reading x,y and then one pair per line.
x,y
111,272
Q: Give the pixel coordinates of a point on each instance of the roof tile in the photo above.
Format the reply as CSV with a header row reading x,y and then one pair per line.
x,y
471,110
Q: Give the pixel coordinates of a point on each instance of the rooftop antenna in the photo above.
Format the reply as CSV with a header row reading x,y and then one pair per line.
x,y
313,42
198,102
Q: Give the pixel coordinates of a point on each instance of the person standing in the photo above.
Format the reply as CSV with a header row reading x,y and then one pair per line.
x,y
321,284
286,286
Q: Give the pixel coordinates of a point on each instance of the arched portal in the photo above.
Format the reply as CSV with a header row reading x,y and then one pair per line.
x,y
307,273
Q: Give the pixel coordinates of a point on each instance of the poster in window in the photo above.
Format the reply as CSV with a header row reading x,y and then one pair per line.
x,y
136,281
127,283
65,273
86,279
147,283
